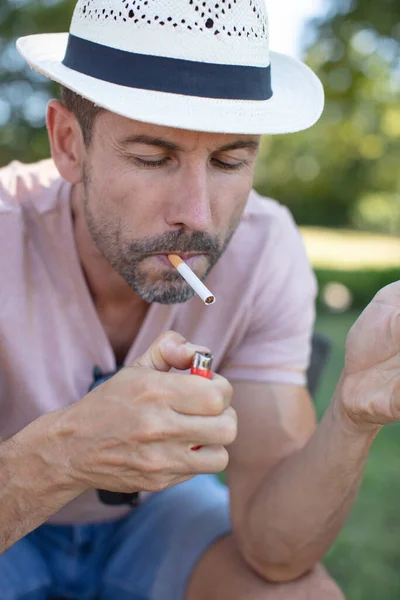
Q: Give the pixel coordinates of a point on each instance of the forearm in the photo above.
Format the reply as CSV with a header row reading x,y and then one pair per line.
x,y
299,509
33,481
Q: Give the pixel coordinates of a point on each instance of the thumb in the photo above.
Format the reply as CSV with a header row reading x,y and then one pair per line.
x,y
169,350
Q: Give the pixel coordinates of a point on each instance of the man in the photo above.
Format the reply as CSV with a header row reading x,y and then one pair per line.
x,y
153,152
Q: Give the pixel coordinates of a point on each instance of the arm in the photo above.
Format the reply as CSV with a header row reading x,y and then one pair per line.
x,y
133,432
33,482
292,484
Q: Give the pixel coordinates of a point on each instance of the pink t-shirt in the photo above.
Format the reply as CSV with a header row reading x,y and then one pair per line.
x,y
51,336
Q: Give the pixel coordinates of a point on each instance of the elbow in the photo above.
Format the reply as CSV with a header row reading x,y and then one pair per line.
x,y
277,572
274,573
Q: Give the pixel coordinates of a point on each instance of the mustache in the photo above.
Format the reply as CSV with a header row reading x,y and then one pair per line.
x,y
177,241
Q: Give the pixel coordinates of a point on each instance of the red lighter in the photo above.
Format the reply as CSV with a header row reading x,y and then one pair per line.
x,y
202,364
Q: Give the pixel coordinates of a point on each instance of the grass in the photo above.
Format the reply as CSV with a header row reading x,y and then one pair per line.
x,y
365,558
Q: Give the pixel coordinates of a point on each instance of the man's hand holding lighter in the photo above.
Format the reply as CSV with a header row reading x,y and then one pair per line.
x,y
137,430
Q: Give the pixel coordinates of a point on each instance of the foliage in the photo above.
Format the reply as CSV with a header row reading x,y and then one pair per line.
x,y
365,557
363,284
24,93
343,171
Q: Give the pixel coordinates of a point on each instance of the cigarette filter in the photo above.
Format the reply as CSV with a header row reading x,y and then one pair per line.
x,y
192,279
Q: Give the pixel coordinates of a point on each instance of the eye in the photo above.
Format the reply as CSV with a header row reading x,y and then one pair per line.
x,y
150,164
228,166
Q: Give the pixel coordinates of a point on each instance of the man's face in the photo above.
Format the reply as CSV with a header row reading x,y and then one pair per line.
x,y
150,191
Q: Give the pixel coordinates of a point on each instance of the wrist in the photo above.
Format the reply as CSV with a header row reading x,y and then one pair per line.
x,y
351,423
38,454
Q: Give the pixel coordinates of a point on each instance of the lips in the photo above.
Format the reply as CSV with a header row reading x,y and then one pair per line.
x,y
188,258
183,255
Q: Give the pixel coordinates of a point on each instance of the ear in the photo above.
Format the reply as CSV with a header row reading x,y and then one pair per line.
x,y
66,141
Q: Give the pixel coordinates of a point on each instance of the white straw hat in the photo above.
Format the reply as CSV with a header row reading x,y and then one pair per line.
x,y
192,64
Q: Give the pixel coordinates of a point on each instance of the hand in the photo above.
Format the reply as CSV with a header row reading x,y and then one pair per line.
x,y
369,389
136,430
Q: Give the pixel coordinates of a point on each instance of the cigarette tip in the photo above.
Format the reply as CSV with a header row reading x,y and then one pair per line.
x,y
210,300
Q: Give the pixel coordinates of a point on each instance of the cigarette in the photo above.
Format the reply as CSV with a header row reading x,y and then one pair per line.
x,y
192,279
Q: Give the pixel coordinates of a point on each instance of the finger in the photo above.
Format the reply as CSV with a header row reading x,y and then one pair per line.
x,y
209,459
210,431
190,395
169,350
390,294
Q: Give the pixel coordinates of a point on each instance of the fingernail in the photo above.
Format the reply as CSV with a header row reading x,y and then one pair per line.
x,y
196,348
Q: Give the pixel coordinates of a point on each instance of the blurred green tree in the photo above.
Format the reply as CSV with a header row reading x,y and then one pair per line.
x,y
345,171
24,93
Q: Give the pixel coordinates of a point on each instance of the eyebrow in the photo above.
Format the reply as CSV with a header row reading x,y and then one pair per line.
x,y
168,145
239,144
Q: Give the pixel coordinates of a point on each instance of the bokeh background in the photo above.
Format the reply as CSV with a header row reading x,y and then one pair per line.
x,y
341,180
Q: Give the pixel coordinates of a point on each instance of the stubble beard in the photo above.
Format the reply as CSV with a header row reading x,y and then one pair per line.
x,y
126,258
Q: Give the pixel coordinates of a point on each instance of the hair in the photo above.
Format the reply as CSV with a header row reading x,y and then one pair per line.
x,y
85,111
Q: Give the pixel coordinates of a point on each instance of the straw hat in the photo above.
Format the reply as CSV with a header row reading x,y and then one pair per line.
x,y
192,64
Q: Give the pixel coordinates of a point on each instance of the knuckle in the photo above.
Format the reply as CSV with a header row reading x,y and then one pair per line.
x,y
154,466
145,427
218,462
226,387
153,463
387,292
231,412
216,404
227,431
151,427
230,427
222,460
170,335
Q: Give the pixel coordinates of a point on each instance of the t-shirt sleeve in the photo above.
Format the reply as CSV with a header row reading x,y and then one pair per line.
x,y
276,345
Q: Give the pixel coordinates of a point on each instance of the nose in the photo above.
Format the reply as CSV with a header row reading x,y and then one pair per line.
x,y
189,205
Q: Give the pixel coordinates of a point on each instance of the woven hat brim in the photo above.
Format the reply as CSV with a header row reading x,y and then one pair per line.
x,y
297,102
